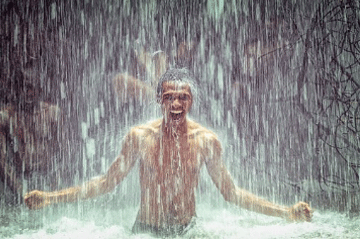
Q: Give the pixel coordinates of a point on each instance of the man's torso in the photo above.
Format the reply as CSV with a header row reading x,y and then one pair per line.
x,y
169,172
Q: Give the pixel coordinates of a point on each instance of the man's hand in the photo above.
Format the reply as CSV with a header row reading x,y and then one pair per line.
x,y
300,212
36,199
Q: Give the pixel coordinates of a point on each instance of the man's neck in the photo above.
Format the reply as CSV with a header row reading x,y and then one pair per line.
x,y
174,130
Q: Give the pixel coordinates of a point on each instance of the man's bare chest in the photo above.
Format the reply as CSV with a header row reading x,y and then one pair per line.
x,y
166,160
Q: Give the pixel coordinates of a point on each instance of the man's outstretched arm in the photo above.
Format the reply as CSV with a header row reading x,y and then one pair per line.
x,y
98,186
223,181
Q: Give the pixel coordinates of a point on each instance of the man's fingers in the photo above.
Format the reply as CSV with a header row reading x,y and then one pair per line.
x,y
308,212
307,215
27,200
301,212
34,200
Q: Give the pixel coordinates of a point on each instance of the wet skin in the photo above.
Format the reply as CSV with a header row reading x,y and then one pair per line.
x,y
171,152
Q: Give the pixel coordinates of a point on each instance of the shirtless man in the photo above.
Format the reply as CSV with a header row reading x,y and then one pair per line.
x,y
171,152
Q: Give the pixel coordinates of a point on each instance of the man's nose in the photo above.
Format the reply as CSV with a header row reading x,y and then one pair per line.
x,y
176,103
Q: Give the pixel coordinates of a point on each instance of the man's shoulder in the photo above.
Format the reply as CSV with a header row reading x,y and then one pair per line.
x,y
198,131
204,138
147,128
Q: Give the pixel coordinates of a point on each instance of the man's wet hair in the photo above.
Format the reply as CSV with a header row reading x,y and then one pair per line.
x,y
176,74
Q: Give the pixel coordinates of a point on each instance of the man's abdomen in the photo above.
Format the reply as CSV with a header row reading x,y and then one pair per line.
x,y
164,209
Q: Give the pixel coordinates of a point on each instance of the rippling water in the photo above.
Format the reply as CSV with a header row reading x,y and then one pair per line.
x,y
96,219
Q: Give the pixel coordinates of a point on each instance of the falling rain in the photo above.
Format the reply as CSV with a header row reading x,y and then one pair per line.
x,y
276,80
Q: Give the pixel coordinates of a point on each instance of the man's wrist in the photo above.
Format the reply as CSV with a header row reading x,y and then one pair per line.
x,y
51,197
286,213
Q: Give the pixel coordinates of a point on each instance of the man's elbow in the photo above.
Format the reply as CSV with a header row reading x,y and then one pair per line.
x,y
97,186
234,196
227,197
230,196
106,185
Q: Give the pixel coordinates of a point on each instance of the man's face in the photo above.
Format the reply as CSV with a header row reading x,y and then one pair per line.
x,y
176,101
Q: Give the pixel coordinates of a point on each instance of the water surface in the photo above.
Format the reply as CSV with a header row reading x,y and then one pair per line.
x,y
97,219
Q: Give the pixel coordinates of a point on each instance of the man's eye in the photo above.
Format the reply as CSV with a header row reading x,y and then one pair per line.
x,y
183,97
167,97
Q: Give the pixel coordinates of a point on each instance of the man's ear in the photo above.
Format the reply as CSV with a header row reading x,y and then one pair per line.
x,y
191,103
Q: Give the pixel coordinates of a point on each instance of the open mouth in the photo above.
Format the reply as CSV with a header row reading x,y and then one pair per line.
x,y
176,114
